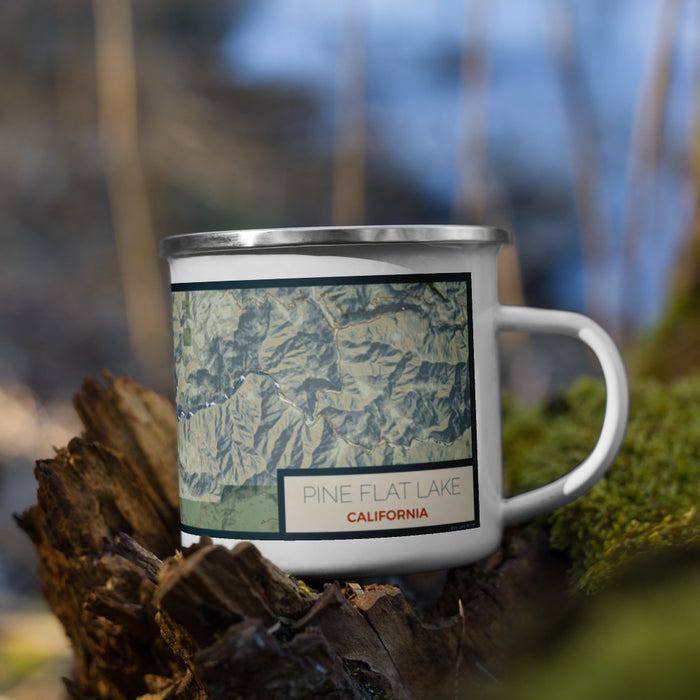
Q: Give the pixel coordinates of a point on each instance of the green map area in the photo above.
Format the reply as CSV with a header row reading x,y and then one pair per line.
x,y
313,376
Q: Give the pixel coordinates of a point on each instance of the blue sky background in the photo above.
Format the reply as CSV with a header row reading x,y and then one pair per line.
x,y
414,115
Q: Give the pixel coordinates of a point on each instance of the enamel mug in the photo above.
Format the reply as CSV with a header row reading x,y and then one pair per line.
x,y
338,395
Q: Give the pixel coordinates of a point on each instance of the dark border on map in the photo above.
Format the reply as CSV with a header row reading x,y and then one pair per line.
x,y
347,534
325,281
358,280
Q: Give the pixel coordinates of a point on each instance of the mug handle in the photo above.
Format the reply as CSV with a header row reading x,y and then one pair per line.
x,y
567,488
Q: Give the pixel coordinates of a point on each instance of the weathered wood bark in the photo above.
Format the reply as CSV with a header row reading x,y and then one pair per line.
x,y
148,621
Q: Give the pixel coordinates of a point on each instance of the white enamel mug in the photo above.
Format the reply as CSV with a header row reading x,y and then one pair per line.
x,y
338,395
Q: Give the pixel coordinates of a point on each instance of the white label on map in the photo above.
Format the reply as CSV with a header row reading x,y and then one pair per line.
x,y
363,500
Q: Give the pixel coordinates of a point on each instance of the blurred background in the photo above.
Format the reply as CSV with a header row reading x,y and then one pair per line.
x,y
575,123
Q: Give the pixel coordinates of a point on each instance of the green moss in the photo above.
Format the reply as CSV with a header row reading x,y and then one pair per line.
x,y
648,499
640,641
672,349
304,588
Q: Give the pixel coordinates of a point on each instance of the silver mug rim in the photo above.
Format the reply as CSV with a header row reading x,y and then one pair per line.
x,y
221,242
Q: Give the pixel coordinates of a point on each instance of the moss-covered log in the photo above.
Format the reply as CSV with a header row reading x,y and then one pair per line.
x,y
148,621
649,499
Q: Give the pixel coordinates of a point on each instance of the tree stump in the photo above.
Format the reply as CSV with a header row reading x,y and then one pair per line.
x,y
149,621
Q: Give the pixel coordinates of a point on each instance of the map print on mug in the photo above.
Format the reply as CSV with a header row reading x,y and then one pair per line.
x,y
326,407
338,395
